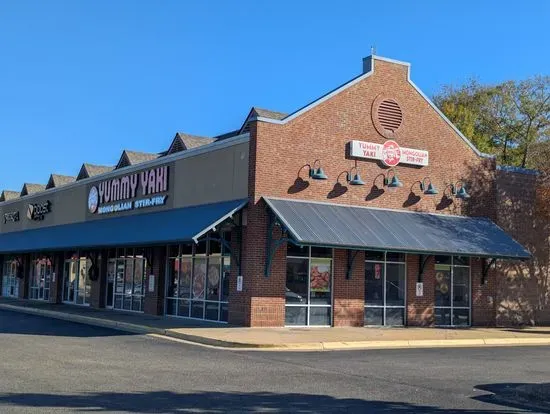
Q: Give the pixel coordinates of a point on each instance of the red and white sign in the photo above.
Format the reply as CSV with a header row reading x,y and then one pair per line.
x,y
390,153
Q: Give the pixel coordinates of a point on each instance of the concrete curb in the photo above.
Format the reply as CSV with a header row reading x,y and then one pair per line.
x,y
307,346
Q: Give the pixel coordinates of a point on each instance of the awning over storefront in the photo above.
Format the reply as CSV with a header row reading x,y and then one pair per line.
x,y
184,224
333,225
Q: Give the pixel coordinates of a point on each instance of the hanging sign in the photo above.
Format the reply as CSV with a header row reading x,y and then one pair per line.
x,y
130,192
239,283
390,153
420,289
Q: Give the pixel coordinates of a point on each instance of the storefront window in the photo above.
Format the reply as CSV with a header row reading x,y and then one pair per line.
x,y
385,287
10,282
198,280
452,291
308,286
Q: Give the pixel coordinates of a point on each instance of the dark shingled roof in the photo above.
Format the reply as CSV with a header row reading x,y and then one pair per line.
x,y
134,157
264,113
29,188
57,180
182,142
9,195
91,170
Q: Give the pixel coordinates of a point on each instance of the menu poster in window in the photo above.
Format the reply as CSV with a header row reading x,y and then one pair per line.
x,y
377,270
320,277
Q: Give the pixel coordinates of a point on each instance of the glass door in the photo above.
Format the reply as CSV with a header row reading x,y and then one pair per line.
x,y
385,289
76,283
452,291
10,282
40,279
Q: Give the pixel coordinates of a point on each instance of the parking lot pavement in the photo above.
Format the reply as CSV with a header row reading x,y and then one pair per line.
x,y
51,365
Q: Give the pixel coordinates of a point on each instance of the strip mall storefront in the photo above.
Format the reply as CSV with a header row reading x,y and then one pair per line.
x,y
364,208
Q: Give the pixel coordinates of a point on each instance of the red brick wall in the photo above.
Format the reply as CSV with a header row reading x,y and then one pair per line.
x,y
349,294
153,303
278,154
523,289
420,311
483,295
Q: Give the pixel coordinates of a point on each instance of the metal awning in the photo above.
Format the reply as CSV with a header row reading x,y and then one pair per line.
x,y
183,224
341,226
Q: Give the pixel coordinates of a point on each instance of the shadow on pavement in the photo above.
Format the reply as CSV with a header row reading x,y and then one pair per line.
x,y
524,396
16,323
519,330
215,402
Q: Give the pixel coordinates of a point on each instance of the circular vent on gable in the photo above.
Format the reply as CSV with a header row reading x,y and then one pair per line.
x,y
390,115
387,116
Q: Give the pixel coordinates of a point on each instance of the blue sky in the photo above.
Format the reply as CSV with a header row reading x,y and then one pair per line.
x,y
82,80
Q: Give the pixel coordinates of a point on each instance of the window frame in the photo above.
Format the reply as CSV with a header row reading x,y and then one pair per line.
x,y
452,307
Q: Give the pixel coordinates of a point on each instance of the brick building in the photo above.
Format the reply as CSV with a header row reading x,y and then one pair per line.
x,y
365,207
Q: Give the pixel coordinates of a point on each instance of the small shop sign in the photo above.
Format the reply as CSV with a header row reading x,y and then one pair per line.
x,y
130,192
420,289
390,153
12,216
38,211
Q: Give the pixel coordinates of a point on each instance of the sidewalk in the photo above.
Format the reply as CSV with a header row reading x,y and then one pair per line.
x,y
304,339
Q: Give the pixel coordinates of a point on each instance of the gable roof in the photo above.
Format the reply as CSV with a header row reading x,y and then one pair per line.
x,y
29,188
134,157
368,70
9,195
57,180
261,113
182,142
91,170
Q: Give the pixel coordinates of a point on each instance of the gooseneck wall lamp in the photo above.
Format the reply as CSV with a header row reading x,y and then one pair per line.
x,y
393,181
430,188
354,179
317,173
459,190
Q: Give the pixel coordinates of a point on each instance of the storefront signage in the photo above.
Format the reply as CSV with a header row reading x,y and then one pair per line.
x,y
420,289
130,192
38,211
151,283
390,153
239,283
12,216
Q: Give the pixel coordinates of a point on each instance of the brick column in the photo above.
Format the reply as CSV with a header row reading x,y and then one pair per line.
x,y
98,285
154,301
349,294
420,310
483,296
24,281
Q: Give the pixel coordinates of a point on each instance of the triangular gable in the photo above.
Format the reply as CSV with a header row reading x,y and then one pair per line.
x,y
123,161
184,142
57,180
8,195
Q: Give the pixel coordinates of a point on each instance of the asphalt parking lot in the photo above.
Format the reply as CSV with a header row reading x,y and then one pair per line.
x,y
51,365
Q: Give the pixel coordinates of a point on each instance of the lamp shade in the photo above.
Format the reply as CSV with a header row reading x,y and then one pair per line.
x,y
318,174
462,193
357,180
431,190
395,183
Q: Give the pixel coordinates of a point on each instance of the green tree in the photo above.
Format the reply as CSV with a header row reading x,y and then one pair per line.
x,y
510,120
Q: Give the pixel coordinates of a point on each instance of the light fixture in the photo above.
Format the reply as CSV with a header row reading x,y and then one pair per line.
x,y
392,182
317,173
356,180
430,189
460,193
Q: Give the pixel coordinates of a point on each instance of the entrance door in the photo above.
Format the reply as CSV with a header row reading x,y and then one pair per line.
x,y
452,291
10,282
40,279
76,283
385,289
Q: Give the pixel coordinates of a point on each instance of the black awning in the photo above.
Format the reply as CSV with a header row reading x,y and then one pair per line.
x,y
183,224
333,225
